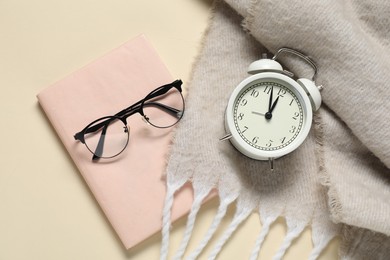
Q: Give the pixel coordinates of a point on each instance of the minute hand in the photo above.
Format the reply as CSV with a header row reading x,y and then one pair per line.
x,y
270,100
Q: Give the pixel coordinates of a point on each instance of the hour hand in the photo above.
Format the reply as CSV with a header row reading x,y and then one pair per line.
x,y
274,104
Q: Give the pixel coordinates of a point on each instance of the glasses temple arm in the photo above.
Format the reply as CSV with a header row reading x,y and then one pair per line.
x,y
99,148
168,109
132,108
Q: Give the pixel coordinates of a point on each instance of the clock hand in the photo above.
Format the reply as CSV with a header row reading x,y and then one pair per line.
x,y
257,113
274,104
268,115
270,99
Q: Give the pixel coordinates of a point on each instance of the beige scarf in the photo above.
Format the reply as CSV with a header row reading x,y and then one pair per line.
x,y
338,181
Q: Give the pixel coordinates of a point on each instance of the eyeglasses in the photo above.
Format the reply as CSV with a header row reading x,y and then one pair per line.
x,y
108,136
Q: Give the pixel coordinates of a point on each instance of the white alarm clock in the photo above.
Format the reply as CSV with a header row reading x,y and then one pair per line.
x,y
269,114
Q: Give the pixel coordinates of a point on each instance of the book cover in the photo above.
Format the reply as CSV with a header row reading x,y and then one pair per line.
x,y
130,188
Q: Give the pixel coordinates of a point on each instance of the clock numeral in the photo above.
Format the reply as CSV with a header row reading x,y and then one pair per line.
x,y
240,116
293,128
244,102
267,90
254,93
283,139
282,92
292,100
245,128
296,115
269,144
255,140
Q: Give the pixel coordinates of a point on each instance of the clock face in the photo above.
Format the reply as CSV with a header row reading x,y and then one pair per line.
x,y
268,115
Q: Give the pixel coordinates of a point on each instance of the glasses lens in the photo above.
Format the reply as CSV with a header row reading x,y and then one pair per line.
x,y
164,110
106,137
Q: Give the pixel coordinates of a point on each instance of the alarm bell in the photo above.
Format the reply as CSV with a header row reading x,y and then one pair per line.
x,y
264,65
312,91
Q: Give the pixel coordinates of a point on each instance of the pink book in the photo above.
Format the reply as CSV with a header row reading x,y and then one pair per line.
x,y
129,188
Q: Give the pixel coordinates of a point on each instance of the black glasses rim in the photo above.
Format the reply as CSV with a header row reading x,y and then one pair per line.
x,y
178,119
102,118
80,135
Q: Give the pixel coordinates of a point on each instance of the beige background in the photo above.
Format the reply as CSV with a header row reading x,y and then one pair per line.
x,y
46,209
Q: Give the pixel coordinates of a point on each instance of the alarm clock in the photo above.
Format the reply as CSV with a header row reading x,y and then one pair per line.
x,y
269,114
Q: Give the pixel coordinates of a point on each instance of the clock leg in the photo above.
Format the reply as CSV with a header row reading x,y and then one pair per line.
x,y
271,164
226,137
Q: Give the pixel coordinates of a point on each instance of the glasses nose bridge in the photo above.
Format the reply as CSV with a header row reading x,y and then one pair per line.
x,y
126,128
124,120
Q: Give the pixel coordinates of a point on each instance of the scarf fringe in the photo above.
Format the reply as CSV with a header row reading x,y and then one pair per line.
x,y
239,217
221,212
292,233
243,211
199,198
166,222
260,239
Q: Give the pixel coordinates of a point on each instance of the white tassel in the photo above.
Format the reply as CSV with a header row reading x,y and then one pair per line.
x,y
315,253
166,225
321,235
190,225
291,235
237,220
260,239
222,209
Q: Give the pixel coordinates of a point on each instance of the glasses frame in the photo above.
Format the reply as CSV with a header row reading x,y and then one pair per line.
x,y
122,115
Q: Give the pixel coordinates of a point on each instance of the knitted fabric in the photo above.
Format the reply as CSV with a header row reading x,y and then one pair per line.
x,y
337,181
